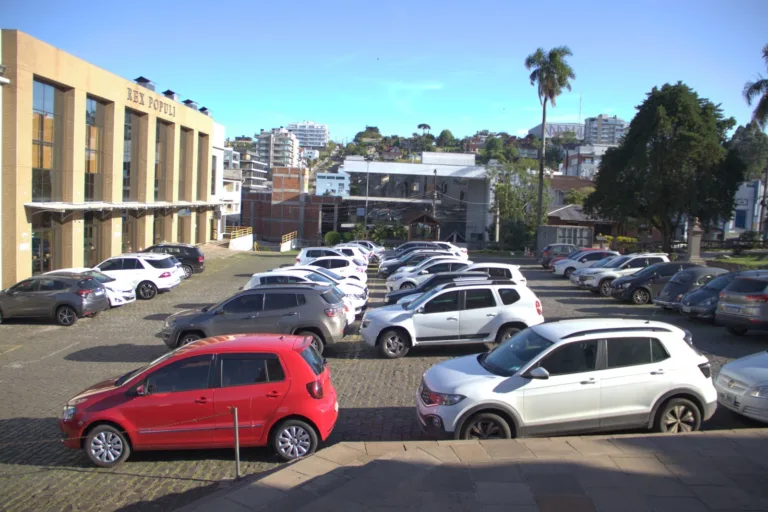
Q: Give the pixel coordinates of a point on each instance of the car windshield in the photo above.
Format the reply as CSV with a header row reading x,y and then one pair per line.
x,y
507,359
617,262
719,283
649,270
254,281
98,276
414,304
604,262
125,378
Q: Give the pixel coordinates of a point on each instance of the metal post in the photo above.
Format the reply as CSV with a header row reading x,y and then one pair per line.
x,y
237,442
367,181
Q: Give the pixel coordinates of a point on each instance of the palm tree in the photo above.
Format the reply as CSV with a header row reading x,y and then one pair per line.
x,y
551,73
424,128
759,88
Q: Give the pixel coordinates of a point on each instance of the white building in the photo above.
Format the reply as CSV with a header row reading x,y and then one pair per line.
x,y
226,183
604,129
584,161
310,134
555,129
308,154
332,184
255,172
278,148
746,212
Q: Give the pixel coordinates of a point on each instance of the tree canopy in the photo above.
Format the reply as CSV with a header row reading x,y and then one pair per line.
x,y
515,198
445,139
751,143
758,90
672,163
578,195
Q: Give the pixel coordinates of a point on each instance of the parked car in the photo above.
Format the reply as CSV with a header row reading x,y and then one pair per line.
x,y
460,252
418,248
411,259
279,384
333,276
343,266
743,305
453,313
148,272
685,282
642,286
434,280
375,249
404,279
581,260
315,310
571,255
742,386
499,271
572,376
191,257
599,280
178,269
702,303
353,252
400,250
308,254
554,250
63,298
600,264
119,291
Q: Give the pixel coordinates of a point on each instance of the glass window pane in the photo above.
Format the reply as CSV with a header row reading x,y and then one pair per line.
x,y
36,156
274,301
93,137
242,372
185,375
47,162
575,357
48,99
275,371
37,125
443,304
48,128
244,304
628,352
38,93
478,299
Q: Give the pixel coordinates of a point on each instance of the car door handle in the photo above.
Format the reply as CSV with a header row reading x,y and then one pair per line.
x,y
491,314
273,394
590,381
290,314
451,318
202,400
658,372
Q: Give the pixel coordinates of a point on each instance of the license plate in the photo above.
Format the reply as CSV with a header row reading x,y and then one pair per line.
x,y
731,309
686,309
98,292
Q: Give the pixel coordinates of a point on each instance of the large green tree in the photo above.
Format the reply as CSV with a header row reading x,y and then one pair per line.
x,y
673,163
445,139
424,127
515,195
751,143
758,90
551,73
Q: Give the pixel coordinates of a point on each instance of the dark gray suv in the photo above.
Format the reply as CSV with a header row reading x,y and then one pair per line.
x,y
64,297
314,310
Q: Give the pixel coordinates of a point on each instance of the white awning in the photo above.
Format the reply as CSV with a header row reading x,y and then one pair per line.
x,y
101,206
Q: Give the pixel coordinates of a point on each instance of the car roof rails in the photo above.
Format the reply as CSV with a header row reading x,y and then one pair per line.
x,y
471,282
609,330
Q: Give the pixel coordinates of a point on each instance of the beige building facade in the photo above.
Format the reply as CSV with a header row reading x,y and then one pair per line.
x,y
94,165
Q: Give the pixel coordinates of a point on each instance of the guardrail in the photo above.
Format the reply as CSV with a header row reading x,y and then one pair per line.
x,y
290,236
238,231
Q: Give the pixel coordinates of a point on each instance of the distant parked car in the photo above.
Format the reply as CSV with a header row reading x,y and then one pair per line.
x,y
642,286
599,280
354,252
279,384
395,296
410,276
362,288
685,282
64,298
600,264
554,250
191,257
743,305
314,310
566,267
119,291
148,272
409,259
400,250
742,386
343,266
308,254
572,256
499,271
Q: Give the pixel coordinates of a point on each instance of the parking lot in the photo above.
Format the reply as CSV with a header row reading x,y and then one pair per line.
x,y
42,365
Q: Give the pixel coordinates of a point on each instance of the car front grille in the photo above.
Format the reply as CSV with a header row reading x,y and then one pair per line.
x,y
731,385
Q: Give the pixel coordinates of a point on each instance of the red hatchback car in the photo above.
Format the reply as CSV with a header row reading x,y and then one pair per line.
x,y
280,385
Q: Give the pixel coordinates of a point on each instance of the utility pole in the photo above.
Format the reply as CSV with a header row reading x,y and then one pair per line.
x,y
368,159
434,196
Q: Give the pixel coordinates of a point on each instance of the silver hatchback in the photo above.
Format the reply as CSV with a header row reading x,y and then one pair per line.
x,y
743,304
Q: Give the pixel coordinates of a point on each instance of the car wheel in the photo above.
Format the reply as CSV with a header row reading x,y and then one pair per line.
x,y
738,331
641,296
486,425
544,266
188,338
506,333
294,439
1,316
678,415
106,446
317,343
605,288
66,316
393,344
146,290
568,272
187,271
407,286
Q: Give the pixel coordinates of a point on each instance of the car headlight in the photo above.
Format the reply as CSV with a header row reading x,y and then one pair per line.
x,y
709,301
68,413
366,322
759,392
626,285
442,399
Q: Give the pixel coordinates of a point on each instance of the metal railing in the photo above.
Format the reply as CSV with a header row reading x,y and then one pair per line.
x,y
288,237
237,231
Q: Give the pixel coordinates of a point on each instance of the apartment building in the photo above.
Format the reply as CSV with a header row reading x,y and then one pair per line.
x,y
277,148
584,161
555,129
604,129
310,134
227,184
255,172
93,164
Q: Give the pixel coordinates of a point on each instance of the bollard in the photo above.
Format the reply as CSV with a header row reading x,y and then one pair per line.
x,y
237,443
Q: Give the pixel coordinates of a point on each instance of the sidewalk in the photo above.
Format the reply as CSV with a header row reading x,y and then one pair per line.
x,y
703,471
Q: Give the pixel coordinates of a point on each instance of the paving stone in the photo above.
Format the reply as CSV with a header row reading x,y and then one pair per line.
x,y
495,471
285,479
586,446
546,466
618,499
563,503
339,454
500,449
256,495
448,479
470,452
726,498
554,485
699,476
676,504
313,466
635,446
442,453
549,447
379,448
642,465
293,500
495,493
449,502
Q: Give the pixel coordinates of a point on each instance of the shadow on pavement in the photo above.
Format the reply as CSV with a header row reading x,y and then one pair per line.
x,y
157,317
194,306
123,353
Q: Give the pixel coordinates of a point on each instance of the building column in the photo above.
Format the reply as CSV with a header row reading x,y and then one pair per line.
x,y
73,149
203,174
72,241
112,233
146,154
145,226
112,158
204,226
189,223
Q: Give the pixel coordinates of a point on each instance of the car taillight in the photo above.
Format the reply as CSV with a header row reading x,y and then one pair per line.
x,y
165,274
200,259
298,259
757,298
315,389
538,308
706,369
84,293
333,312
546,253
346,308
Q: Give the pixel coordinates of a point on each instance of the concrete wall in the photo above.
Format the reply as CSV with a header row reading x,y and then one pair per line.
x,y
243,243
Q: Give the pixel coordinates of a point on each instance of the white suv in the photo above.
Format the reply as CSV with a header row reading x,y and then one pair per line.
x,y
353,251
411,277
308,254
599,280
585,259
572,376
499,271
451,314
148,272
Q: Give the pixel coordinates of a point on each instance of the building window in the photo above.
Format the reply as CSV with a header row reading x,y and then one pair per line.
x,y
46,242
94,131
202,173
47,116
158,227
740,219
213,175
130,220
131,145
185,134
92,238
162,187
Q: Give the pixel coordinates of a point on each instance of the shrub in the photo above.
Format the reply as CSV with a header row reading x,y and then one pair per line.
x,y
332,238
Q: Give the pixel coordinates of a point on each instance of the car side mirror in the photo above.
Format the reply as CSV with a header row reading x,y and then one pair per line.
x,y
537,373
420,311
424,272
139,390
219,312
582,260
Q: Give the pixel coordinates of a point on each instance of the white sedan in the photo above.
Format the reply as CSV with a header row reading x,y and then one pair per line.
x,y
345,267
119,291
411,277
742,386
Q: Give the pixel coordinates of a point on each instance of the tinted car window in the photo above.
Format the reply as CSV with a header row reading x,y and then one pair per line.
x,y
110,265
337,263
443,304
668,270
274,301
313,359
477,299
242,370
281,280
163,263
594,256
652,261
719,283
508,296
746,285
577,357
658,352
132,264
628,352
681,278
25,286
185,375
87,284
102,278
52,285
347,252
248,303
314,253
458,266
637,263
331,297
440,267
503,273
506,359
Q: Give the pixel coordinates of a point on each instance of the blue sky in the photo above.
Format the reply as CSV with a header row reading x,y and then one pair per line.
x,y
395,64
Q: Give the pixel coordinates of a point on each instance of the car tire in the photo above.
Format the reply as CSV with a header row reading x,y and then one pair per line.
x,y
187,271
641,297
738,331
506,333
568,272
543,266
1,316
187,338
407,286
294,439
66,316
678,415
605,287
146,290
317,341
486,425
394,344
106,446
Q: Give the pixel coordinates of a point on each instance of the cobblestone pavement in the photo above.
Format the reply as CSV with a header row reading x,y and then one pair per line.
x,y
41,366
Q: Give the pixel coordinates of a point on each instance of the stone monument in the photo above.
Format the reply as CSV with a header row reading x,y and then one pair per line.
x,y
694,242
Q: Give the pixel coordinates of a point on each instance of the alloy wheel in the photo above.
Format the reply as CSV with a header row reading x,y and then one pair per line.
x,y
189,338
187,271
406,286
146,290
641,297
605,289
679,419
394,344
66,316
293,442
106,447
485,429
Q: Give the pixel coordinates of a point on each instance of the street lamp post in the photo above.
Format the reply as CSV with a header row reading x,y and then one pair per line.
x,y
367,181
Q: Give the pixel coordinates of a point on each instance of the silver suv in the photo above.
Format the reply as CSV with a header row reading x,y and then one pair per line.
x,y
314,310
743,304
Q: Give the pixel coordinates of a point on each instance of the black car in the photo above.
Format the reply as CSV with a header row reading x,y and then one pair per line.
x,y
702,303
435,280
411,258
400,250
641,287
191,257
684,282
